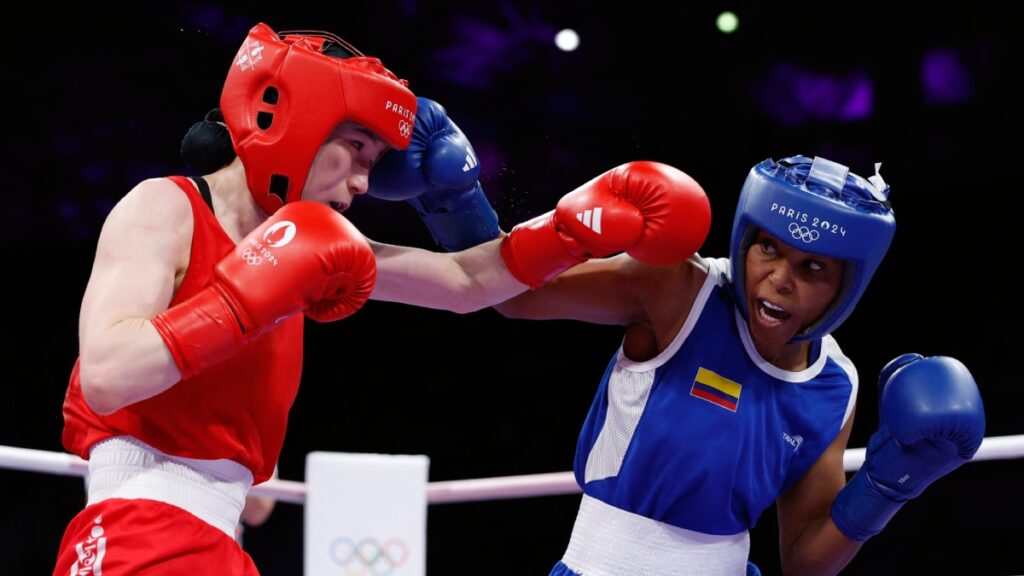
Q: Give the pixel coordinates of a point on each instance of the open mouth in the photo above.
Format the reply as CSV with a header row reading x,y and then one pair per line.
x,y
338,207
770,312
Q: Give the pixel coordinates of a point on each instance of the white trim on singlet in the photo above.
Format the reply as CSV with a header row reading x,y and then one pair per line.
x,y
830,348
805,375
608,541
673,347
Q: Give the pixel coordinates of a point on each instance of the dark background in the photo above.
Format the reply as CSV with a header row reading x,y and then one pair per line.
x,y
97,98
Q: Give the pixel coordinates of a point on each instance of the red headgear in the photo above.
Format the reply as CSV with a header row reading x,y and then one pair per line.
x,y
283,97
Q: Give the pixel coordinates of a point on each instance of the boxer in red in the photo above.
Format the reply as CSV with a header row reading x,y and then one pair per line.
x,y
191,324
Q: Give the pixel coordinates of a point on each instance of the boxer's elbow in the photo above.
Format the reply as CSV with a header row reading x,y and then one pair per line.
x,y
102,385
111,380
124,364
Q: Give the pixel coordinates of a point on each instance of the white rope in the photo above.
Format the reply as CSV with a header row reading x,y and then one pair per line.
x,y
42,461
502,487
478,489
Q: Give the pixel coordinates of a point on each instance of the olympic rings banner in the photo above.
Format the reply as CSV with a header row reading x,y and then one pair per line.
x,y
366,514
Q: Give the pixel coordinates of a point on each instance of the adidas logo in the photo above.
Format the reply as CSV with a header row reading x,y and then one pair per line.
x,y
471,162
591,219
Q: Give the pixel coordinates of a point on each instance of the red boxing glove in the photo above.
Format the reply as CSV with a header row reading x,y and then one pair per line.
x,y
654,212
305,257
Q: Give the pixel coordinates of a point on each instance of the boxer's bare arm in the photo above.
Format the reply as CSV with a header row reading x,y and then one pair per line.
x,y
143,246
459,281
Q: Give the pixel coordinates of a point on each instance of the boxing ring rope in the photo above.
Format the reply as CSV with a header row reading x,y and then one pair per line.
x,y
478,489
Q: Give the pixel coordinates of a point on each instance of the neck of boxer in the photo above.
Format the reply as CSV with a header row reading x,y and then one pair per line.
x,y
791,357
233,204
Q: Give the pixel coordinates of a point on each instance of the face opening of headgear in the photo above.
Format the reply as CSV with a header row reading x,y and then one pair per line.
x,y
284,95
820,207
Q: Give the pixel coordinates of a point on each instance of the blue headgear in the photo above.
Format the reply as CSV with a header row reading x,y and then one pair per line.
x,y
818,207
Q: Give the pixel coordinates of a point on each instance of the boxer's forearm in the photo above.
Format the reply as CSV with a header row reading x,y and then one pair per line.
x,y
821,549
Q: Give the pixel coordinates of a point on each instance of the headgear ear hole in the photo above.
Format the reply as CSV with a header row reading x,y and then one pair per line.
x,y
279,186
264,120
270,95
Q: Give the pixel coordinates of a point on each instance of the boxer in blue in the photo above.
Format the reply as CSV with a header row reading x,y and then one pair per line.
x,y
729,394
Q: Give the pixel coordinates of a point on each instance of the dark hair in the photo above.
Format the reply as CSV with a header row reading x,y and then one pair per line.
x,y
206,146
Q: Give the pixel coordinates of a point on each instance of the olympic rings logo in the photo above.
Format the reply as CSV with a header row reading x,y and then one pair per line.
x,y
368,556
803,233
404,128
252,258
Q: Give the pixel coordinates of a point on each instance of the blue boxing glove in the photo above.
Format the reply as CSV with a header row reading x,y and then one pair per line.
x,y
931,422
439,176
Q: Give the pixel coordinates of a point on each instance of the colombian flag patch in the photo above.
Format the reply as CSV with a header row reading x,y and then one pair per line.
x,y
716,389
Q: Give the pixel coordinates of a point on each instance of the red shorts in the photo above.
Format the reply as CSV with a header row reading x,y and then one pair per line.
x,y
118,537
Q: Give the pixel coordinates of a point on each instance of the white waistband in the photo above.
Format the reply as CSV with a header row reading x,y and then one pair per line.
x,y
608,541
212,490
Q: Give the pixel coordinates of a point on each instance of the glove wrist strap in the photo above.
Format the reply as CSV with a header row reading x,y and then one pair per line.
x,y
200,332
534,253
860,510
468,221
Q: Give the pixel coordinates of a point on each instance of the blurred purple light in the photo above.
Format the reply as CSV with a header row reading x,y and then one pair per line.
x,y
859,101
68,211
214,21
206,16
94,174
794,96
484,50
945,78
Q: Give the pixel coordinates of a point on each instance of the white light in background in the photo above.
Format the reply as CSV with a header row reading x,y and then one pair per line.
x,y
727,22
567,40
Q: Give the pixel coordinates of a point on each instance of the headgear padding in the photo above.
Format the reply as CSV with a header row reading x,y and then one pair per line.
x,y
820,207
284,96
